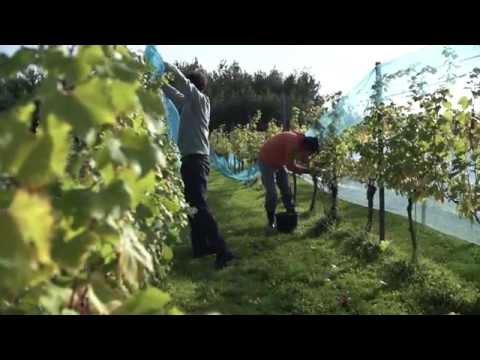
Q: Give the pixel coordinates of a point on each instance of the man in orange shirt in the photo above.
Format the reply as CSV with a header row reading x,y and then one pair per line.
x,y
284,150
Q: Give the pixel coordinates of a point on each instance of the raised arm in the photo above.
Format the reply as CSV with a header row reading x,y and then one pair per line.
x,y
183,85
176,96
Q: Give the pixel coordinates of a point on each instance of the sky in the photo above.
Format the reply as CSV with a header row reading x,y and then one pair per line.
x,y
336,67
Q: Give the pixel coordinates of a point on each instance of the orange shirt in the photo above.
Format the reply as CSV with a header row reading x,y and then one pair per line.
x,y
277,151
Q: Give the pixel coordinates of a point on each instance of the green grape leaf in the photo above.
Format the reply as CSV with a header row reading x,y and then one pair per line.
x,y
74,69
60,65
35,159
123,72
87,107
69,312
34,172
34,217
114,199
174,311
146,302
54,299
81,206
140,149
448,115
16,141
460,145
144,210
464,102
124,96
60,136
109,238
104,291
108,173
172,206
138,188
123,50
76,205
48,156
464,118
25,247
73,253
133,254
15,256
151,103
167,252
91,55
95,95
110,152
6,198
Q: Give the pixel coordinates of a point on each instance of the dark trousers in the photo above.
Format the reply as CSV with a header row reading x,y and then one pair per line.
x,y
275,176
204,229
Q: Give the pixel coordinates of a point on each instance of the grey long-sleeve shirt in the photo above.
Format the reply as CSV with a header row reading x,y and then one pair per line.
x,y
194,108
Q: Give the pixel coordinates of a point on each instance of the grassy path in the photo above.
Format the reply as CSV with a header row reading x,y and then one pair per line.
x,y
302,273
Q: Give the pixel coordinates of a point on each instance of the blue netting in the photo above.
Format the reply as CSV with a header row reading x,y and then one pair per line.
x,y
450,67
155,59
223,164
442,67
172,115
173,120
436,66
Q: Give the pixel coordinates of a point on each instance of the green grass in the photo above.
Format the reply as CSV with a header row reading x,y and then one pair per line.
x,y
301,273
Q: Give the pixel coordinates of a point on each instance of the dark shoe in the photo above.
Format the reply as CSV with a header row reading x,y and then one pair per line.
x,y
270,229
271,218
223,259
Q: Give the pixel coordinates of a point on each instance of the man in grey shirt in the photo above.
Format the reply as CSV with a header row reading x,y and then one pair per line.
x,y
194,107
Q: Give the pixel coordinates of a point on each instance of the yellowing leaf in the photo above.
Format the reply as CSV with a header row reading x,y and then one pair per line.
x,y
25,242
59,132
146,302
33,215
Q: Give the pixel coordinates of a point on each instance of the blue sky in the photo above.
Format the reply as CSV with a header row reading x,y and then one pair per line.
x,y
337,67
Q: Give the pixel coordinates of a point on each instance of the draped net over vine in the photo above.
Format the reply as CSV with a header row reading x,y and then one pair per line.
x,y
439,66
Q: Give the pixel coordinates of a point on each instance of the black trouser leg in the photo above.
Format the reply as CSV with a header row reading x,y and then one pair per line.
x,y
195,170
268,181
197,237
285,191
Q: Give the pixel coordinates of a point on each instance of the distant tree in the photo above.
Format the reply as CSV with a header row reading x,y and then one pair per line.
x,y
236,95
14,89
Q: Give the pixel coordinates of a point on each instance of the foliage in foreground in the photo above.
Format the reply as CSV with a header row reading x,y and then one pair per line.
x,y
90,200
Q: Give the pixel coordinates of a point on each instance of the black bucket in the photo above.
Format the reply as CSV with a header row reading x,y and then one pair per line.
x,y
286,222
